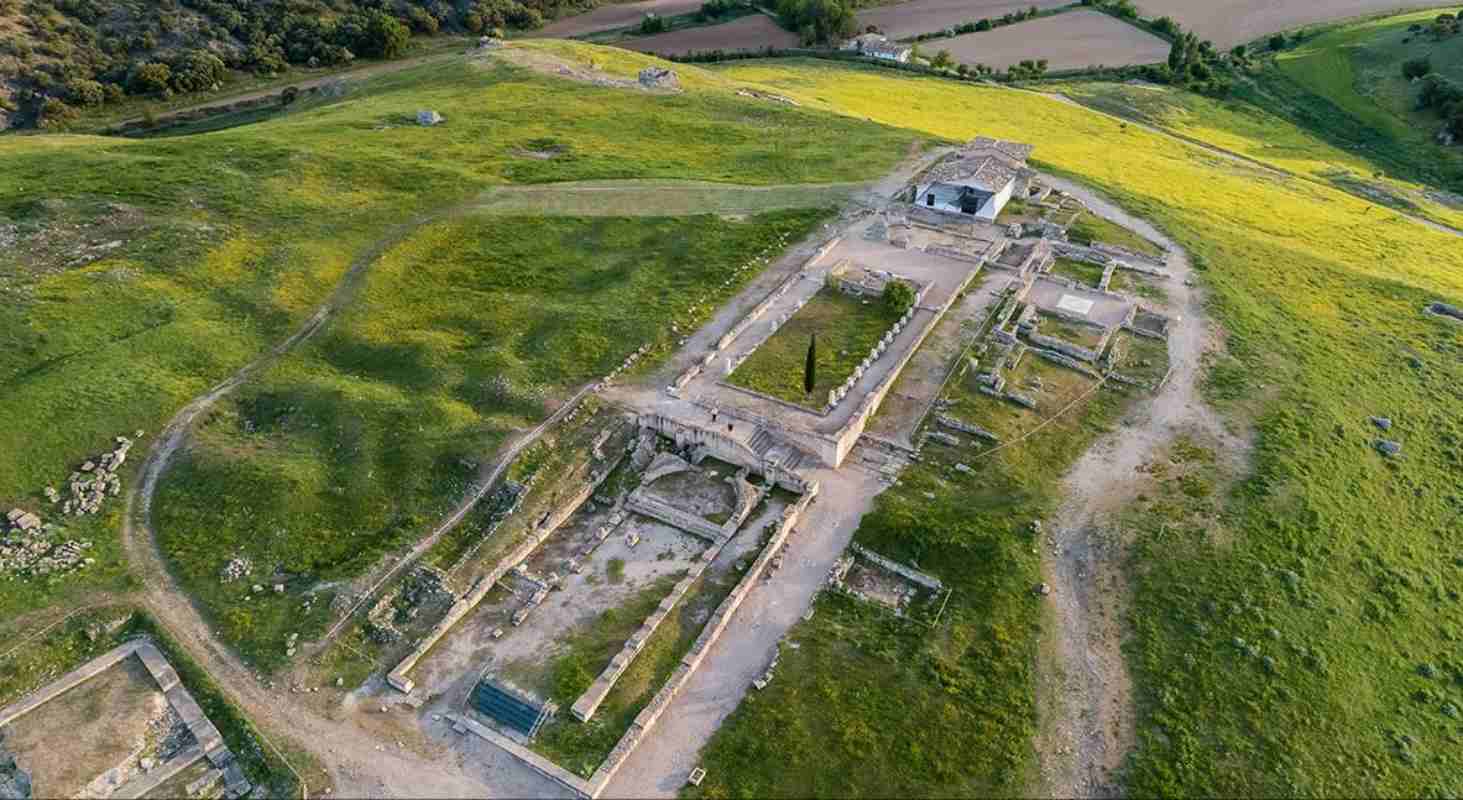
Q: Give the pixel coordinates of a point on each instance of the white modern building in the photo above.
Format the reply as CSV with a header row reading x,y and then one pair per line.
x,y
977,180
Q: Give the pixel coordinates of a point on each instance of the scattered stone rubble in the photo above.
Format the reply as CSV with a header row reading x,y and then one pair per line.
x,y
30,546
659,78
234,570
14,781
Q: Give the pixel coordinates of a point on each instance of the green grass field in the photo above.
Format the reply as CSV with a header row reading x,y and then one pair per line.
x,y
1090,228
1319,293
846,327
228,240
1346,87
1081,271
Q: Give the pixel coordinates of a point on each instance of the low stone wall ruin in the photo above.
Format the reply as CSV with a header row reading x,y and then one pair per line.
x,y
724,448
399,677
712,631
908,573
690,373
589,702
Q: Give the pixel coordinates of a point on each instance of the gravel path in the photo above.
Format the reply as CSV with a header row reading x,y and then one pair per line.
x,y
663,760
1087,715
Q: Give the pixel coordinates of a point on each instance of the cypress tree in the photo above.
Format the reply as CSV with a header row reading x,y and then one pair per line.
x,y
810,369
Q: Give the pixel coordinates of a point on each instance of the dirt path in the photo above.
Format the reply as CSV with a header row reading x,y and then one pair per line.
x,y
355,758
1085,693
358,762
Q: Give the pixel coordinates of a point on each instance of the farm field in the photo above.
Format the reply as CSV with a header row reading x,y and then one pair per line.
x,y
615,15
1356,600
746,33
1231,22
1073,40
903,20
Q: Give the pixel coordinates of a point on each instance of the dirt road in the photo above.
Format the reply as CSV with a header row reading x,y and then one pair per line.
x,y
360,763
1087,716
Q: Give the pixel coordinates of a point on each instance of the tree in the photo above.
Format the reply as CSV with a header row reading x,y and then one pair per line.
x,y
289,95
374,34
810,367
942,60
818,21
198,70
898,297
151,78
85,93
56,114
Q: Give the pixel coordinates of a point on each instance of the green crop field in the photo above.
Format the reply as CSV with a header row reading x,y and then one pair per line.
x,y
1320,295
847,328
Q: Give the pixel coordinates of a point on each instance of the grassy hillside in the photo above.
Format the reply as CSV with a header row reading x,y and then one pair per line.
x,y
1346,85
228,240
1320,297
1240,127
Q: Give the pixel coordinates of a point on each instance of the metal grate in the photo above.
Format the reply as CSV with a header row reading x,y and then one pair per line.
x,y
508,708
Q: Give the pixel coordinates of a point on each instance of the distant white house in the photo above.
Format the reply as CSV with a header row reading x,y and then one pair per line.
x,y
877,45
977,180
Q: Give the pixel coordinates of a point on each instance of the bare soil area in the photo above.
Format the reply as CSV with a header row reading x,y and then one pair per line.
x,y
1230,22
617,15
70,741
746,33
1084,690
1067,41
926,16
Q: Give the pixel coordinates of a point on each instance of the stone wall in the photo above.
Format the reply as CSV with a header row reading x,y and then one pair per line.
x,y
398,677
726,448
848,436
712,631
908,573
1062,346
589,702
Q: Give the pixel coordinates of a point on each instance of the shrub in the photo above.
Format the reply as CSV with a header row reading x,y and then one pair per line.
x,y
56,114
1416,67
898,296
653,24
151,78
85,93
198,70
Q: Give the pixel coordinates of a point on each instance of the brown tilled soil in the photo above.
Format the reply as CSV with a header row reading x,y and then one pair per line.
x,y
1067,41
1230,22
926,16
618,15
746,33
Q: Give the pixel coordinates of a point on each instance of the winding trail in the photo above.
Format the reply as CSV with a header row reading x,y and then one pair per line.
x,y
1087,718
358,762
